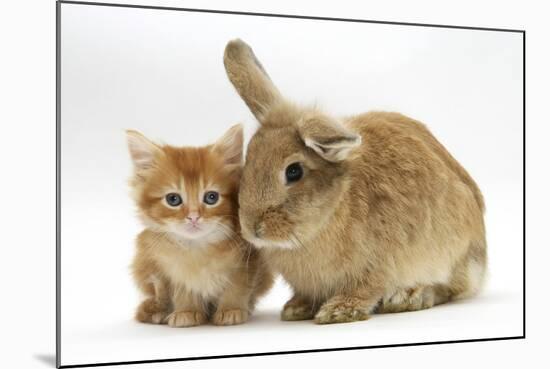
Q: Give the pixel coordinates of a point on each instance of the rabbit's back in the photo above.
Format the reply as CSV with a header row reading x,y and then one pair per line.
x,y
398,143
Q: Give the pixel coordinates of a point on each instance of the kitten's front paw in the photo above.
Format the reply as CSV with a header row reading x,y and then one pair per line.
x,y
343,310
230,316
151,311
186,318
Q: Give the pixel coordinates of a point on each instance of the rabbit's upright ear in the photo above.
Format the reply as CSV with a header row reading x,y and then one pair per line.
x,y
249,78
328,138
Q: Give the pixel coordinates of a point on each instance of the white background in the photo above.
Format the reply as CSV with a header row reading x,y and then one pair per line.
x,y
30,181
151,70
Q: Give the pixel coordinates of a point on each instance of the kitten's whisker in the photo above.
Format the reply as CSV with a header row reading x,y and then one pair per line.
x,y
230,234
158,236
223,226
241,242
248,256
297,242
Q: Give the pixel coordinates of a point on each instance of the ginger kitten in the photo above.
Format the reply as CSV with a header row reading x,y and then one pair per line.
x,y
191,262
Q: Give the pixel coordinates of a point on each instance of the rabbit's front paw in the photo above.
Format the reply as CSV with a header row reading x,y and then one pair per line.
x,y
297,309
186,318
297,312
230,316
342,310
302,312
152,311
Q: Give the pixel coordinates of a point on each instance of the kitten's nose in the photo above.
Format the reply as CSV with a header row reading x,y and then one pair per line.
x,y
193,217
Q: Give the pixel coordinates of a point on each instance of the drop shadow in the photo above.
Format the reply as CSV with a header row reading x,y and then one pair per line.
x,y
48,359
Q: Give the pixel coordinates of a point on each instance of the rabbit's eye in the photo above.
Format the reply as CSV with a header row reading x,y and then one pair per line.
x,y
294,172
173,199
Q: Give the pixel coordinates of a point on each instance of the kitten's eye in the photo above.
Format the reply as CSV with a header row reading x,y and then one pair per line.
x,y
173,199
211,197
294,172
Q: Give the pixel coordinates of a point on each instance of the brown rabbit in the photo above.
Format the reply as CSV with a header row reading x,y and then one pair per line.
x,y
362,214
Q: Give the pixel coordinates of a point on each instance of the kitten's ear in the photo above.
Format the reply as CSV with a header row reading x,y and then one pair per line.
x,y
230,146
328,138
142,150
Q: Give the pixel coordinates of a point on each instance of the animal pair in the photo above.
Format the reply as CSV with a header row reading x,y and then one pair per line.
x,y
363,214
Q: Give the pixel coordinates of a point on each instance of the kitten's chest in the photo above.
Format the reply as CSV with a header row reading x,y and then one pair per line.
x,y
199,272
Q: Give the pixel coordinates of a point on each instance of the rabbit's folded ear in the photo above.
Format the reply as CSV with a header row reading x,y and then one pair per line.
x,y
230,146
328,138
249,78
142,150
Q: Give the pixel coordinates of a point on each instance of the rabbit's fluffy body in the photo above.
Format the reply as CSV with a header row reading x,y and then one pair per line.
x,y
384,218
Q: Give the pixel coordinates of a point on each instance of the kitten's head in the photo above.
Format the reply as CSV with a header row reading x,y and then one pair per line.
x,y
188,192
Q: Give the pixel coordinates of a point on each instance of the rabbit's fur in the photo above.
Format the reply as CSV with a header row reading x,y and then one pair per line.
x,y
383,220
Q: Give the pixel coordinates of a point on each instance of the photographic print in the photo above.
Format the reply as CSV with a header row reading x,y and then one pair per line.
x,y
238,184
